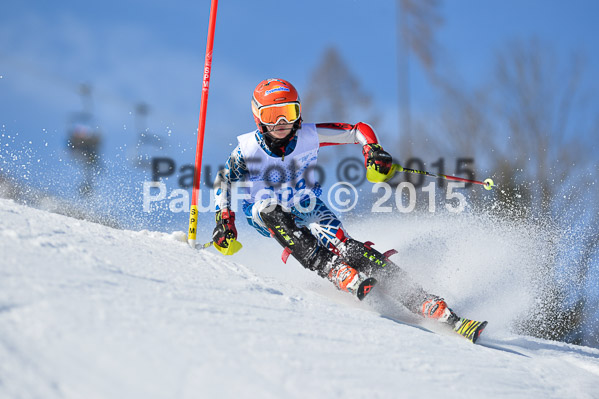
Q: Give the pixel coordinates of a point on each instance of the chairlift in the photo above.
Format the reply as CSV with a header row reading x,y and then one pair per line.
x,y
83,139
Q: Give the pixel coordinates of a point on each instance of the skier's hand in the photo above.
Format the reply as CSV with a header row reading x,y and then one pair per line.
x,y
224,235
378,162
376,157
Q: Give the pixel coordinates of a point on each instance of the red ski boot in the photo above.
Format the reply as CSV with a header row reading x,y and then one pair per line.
x,y
346,278
436,308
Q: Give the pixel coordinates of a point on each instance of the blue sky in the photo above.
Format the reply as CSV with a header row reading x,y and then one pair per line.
x,y
133,51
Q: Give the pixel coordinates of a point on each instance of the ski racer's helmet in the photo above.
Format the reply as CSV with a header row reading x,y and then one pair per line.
x,y
273,101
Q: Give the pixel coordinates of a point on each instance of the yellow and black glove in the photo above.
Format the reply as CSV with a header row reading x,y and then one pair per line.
x,y
378,162
224,236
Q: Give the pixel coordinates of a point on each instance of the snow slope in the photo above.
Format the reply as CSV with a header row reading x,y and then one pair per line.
x,y
87,311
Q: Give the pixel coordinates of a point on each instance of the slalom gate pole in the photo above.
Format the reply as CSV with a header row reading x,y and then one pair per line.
x,y
487,184
193,212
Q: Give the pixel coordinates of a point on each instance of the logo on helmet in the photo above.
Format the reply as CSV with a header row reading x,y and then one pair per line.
x,y
276,89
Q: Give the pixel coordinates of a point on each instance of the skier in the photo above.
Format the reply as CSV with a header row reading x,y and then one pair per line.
x,y
278,159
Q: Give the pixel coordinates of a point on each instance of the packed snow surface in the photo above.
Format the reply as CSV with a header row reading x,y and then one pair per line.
x,y
87,311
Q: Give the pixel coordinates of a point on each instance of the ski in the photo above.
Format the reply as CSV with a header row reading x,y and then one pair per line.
x,y
469,329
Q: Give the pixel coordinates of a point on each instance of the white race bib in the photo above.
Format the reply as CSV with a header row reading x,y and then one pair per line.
x,y
289,179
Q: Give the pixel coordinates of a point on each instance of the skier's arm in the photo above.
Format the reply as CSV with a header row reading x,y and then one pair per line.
x,y
344,133
225,231
375,158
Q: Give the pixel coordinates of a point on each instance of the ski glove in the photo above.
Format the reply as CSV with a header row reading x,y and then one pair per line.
x,y
224,236
378,162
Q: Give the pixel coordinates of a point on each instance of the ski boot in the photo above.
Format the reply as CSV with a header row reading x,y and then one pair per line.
x,y
346,278
436,308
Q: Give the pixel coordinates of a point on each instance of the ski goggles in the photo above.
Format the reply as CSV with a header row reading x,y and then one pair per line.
x,y
272,114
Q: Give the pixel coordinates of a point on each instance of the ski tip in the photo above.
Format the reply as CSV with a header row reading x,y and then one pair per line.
x,y
478,331
470,329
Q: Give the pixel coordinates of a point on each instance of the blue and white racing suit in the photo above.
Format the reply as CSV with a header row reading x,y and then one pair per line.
x,y
288,180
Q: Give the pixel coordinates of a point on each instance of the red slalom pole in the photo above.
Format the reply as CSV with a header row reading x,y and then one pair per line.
x,y
193,212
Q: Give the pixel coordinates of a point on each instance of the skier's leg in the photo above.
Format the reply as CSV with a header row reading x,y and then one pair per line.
x,y
324,224
395,281
280,223
321,221
302,245
329,230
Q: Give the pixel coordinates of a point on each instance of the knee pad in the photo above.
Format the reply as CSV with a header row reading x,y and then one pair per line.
x,y
364,258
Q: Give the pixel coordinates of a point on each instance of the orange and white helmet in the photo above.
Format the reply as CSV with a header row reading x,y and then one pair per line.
x,y
275,100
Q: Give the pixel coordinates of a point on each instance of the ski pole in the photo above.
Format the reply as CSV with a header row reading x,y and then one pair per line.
x,y
206,245
487,184
193,212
